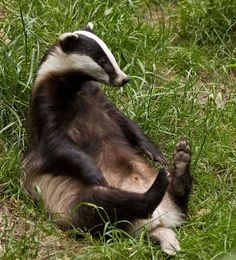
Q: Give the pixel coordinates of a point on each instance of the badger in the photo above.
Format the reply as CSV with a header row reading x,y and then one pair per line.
x,y
86,161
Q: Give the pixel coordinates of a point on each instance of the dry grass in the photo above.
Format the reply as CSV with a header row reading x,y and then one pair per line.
x,y
17,227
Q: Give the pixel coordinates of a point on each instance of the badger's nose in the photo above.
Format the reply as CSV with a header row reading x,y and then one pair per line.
x,y
125,81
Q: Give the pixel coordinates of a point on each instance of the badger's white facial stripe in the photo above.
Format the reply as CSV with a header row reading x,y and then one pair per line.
x,y
119,72
58,61
62,60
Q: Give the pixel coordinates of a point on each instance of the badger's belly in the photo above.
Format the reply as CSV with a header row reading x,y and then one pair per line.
x,y
124,169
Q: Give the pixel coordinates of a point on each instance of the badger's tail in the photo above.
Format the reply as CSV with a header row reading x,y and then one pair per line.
x,y
114,204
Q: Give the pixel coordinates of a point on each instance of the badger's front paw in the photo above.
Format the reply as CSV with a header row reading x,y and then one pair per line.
x,y
153,153
182,157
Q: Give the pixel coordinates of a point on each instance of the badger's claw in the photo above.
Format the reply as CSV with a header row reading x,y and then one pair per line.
x,y
155,154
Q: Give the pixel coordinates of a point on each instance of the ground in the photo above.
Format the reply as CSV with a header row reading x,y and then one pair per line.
x,y
180,56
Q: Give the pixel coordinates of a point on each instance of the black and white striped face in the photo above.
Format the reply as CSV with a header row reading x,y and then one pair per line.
x,y
84,52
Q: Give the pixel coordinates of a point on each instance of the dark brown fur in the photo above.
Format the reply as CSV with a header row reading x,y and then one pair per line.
x,y
85,150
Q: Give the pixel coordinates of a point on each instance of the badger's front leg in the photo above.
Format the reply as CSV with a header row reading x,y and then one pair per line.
x,y
135,135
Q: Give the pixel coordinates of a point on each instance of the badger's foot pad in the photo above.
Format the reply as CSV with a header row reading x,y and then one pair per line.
x,y
167,238
182,156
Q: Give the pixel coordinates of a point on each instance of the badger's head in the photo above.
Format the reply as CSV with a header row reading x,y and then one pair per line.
x,y
83,52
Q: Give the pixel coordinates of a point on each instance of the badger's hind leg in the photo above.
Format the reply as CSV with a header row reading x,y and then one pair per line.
x,y
72,204
116,204
178,191
171,211
181,179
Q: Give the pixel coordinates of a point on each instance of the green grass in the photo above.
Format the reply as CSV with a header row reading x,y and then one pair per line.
x,y
180,56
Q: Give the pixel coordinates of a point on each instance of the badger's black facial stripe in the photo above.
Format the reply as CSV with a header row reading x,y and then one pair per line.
x,y
85,53
84,45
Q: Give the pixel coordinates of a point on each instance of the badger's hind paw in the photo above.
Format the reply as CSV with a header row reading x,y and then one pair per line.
x,y
182,157
168,241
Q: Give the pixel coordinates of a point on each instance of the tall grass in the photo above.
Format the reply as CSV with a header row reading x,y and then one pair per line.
x,y
180,56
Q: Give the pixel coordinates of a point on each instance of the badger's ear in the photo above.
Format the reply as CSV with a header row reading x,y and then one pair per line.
x,y
68,41
88,27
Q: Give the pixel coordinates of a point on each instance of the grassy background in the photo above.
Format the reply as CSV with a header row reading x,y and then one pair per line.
x,y
180,56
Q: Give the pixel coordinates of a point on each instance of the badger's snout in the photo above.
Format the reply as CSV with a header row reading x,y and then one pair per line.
x,y
121,80
125,81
